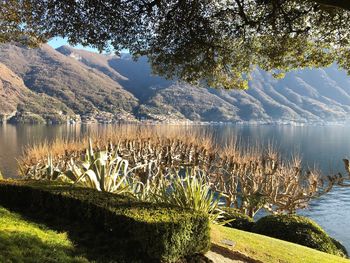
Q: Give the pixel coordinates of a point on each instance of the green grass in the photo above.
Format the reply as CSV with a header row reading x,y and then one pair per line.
x,y
268,249
24,241
106,226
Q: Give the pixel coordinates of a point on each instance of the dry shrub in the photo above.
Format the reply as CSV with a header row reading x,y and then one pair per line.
x,y
118,134
248,176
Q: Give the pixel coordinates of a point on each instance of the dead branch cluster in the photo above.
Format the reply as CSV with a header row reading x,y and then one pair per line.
x,y
248,178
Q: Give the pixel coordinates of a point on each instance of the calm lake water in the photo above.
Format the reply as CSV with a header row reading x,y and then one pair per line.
x,y
323,146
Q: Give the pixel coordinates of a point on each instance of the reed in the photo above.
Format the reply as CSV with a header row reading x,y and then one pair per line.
x,y
248,176
119,134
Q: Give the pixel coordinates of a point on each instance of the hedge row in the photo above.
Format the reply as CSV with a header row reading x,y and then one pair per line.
x,y
300,230
292,228
138,230
233,218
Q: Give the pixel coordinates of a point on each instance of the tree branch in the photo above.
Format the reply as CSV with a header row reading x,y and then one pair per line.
x,y
343,4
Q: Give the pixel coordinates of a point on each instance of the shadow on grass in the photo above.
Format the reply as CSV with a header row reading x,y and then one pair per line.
x,y
89,242
18,246
99,232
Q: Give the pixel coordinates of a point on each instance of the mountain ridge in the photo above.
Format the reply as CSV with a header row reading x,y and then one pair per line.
x,y
19,103
110,88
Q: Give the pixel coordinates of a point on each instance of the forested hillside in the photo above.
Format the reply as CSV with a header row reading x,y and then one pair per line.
x,y
56,85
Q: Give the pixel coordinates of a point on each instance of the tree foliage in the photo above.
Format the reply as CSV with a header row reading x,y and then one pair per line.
x,y
210,42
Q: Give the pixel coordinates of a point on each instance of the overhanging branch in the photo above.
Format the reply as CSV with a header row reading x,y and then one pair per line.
x,y
343,4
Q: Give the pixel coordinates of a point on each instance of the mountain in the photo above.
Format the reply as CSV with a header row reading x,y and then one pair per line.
x,y
134,76
83,89
11,90
317,94
19,103
107,87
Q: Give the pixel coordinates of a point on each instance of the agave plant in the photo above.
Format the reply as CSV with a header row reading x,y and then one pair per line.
x,y
102,170
52,171
191,191
42,171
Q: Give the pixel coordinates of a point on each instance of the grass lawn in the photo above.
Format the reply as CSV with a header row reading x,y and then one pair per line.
x,y
268,249
24,241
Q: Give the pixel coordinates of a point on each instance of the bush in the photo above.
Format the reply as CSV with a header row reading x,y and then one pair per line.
x,y
300,230
192,191
139,231
236,219
340,247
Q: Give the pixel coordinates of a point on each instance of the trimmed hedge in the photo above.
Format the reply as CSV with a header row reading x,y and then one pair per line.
x,y
300,230
236,219
139,231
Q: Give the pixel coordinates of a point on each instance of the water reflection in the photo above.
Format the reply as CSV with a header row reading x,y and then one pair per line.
x,y
13,139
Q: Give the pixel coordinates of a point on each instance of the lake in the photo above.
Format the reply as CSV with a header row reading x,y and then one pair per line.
x,y
323,146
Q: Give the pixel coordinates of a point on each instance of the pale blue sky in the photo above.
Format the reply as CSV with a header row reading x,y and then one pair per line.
x,y
57,42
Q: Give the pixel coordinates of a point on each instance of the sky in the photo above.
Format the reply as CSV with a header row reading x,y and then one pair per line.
x,y
57,42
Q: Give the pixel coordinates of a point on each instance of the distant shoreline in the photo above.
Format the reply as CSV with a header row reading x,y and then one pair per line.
x,y
189,122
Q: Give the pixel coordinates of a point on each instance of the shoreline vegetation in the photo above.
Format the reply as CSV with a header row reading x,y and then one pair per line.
x,y
153,151
184,168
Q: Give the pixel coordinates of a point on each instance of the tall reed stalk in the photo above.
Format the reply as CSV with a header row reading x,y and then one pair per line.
x,y
138,160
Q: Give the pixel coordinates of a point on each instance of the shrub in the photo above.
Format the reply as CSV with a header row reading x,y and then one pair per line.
x,y
135,229
101,170
300,230
249,177
188,188
192,191
340,247
235,219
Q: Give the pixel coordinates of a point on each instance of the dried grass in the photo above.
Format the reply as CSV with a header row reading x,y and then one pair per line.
x,y
250,176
